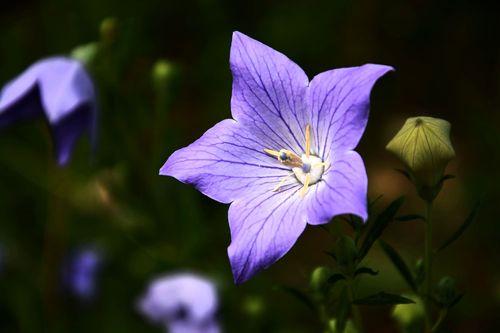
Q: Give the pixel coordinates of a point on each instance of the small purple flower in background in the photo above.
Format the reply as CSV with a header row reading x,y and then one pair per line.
x,y
60,89
80,273
182,302
287,158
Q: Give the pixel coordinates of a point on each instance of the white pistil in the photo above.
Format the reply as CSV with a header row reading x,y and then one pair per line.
x,y
312,166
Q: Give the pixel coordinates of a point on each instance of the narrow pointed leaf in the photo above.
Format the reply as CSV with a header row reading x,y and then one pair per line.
x,y
400,264
335,278
331,254
378,226
299,295
468,221
372,203
383,298
447,177
404,173
365,270
410,217
455,301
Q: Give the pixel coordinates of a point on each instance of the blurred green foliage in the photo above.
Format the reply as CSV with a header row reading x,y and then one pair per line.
x,y
447,58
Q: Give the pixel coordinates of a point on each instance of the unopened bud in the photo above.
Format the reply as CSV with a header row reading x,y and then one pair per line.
x,y
349,327
162,73
410,315
424,146
108,30
346,252
86,54
319,278
446,291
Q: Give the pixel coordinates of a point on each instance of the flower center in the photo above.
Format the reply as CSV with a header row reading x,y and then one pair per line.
x,y
308,169
312,166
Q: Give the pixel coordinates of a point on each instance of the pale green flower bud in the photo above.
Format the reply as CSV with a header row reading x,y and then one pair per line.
x,y
424,146
349,327
410,315
108,30
446,292
86,54
253,306
162,73
319,278
346,252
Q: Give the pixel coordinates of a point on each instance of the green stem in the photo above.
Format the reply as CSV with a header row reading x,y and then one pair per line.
x,y
442,316
428,264
356,314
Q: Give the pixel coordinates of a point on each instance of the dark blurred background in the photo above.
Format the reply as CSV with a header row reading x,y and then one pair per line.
x,y
447,60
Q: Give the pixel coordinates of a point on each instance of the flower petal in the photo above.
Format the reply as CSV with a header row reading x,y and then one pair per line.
x,y
264,226
339,101
180,297
342,191
61,90
226,163
188,327
268,94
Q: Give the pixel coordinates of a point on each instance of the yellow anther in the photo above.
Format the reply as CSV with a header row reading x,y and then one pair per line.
x,y
271,152
286,157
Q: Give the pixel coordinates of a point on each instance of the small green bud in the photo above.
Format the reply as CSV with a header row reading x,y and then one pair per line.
x,y
108,30
419,271
162,73
253,306
346,252
409,315
319,278
446,292
424,146
349,327
86,54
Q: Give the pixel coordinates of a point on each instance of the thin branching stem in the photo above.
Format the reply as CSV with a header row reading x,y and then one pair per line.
x,y
356,314
428,264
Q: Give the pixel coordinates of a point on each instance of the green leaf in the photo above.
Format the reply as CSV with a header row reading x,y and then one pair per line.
x,y
372,203
343,309
331,254
335,278
468,221
377,227
383,298
400,264
446,177
299,295
404,173
365,270
409,217
455,301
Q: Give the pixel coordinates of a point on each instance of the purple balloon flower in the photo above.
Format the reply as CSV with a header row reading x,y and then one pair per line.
x,y
80,273
60,89
183,302
287,158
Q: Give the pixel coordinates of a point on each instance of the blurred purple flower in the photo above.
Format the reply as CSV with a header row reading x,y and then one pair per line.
x,y
80,273
287,158
59,89
183,302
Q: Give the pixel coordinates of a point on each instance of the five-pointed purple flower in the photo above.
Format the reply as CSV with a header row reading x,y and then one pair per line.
x,y
183,302
59,89
287,158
